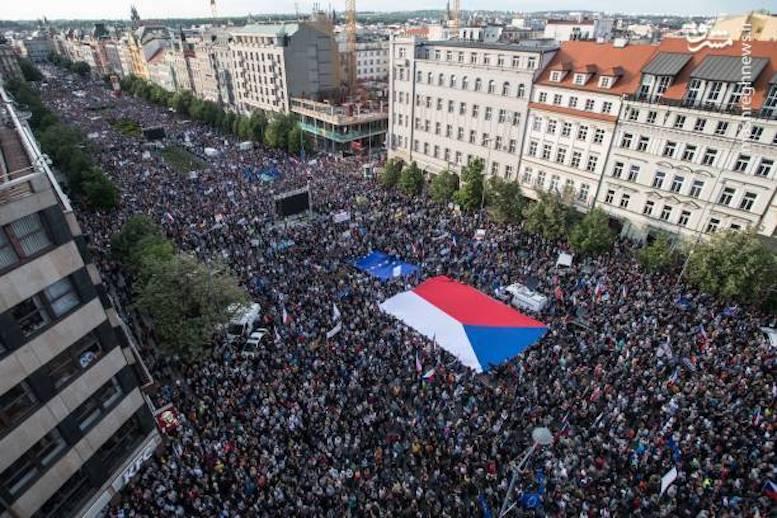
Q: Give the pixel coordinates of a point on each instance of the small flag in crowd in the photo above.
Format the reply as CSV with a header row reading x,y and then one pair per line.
x,y
598,291
730,311
703,339
676,452
335,312
484,507
667,479
277,335
770,490
757,416
624,292
418,366
559,294
429,376
286,317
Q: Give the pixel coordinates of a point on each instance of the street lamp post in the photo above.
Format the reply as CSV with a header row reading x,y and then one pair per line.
x,y
541,436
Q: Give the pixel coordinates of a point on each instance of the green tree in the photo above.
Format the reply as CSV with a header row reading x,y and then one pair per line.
x,y
297,137
29,71
258,123
470,194
81,68
276,136
547,216
506,199
99,192
592,235
444,186
411,180
659,255
134,230
389,177
735,266
187,302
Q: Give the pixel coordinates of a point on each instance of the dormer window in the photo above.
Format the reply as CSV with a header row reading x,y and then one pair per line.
x,y
556,76
605,82
580,79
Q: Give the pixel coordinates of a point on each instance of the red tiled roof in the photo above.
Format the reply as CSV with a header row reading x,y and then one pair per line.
x,y
763,49
630,59
572,111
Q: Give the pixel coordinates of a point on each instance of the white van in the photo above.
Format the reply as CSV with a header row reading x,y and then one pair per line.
x,y
522,297
243,322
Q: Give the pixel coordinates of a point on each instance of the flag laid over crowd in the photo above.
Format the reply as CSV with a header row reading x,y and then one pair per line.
x,y
478,330
384,266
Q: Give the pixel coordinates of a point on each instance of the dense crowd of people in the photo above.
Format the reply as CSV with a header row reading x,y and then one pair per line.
x,y
631,383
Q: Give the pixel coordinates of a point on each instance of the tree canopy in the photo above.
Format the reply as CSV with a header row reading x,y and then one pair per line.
x,y
506,199
470,194
592,235
548,216
736,266
411,180
659,255
444,186
389,177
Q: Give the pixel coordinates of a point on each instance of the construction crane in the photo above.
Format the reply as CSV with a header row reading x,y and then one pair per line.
x,y
213,12
350,16
455,14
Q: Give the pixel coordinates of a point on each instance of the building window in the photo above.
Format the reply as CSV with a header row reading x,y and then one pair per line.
x,y
488,113
546,151
590,166
536,124
692,94
648,209
502,116
765,167
666,212
684,217
651,117
526,178
464,83
566,129
25,237
451,106
15,405
582,194
475,111
512,146
700,124
75,359
709,156
582,132
97,405
721,128
679,121
532,148
677,183
543,97
492,87
505,88
460,133
575,161
448,131
610,196
531,63
462,108
33,463
696,188
551,128
742,163
712,226
689,153
726,196
669,149
617,169
625,201
68,499
452,81
589,105
598,136
498,143
436,152
658,181
642,143
472,136
747,201
516,118
478,84
521,91
633,173
119,444
555,76
606,107
40,309
561,155
557,99
572,101
554,179
626,140
756,132
508,171
633,114
540,182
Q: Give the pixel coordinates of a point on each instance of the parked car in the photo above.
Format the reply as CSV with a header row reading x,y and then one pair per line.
x,y
254,342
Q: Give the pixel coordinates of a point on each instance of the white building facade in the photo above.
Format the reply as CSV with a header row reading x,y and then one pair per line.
x,y
455,101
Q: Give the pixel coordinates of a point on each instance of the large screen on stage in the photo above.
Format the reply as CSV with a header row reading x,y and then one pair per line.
x,y
292,204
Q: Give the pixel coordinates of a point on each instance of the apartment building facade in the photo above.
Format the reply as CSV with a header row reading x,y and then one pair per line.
x,y
74,424
574,110
273,63
453,101
688,156
9,61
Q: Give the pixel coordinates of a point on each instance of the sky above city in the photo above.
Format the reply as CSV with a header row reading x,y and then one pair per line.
x,y
119,9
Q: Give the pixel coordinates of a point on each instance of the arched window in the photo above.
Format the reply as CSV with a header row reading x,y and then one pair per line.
x,y
452,82
521,90
492,86
441,80
429,77
464,83
506,88
478,84
418,76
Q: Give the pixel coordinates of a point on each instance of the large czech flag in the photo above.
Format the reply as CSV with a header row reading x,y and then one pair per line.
x,y
480,331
